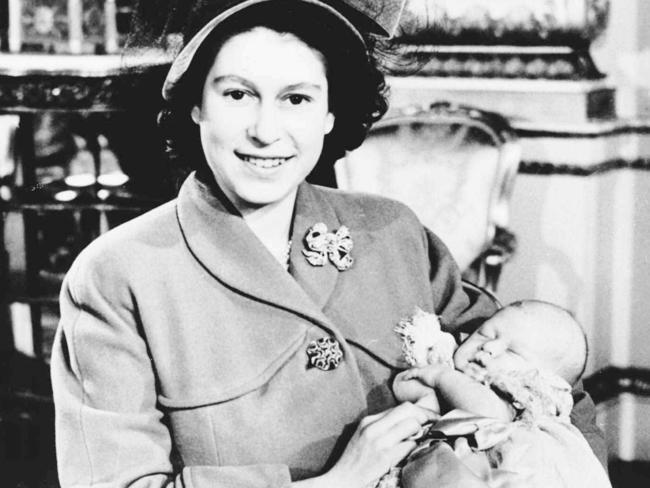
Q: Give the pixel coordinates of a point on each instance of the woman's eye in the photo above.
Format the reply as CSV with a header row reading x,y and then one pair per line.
x,y
235,94
297,99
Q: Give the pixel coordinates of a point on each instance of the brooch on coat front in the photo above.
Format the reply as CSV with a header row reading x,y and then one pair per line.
x,y
322,245
324,353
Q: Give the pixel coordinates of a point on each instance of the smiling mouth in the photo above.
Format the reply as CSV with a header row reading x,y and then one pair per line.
x,y
263,162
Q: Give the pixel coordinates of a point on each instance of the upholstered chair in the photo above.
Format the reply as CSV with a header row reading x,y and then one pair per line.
x,y
455,167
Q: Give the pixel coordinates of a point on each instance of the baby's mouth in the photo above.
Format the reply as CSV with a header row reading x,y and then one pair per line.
x,y
482,357
475,370
263,161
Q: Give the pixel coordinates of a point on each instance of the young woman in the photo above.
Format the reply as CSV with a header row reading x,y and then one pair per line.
x,y
242,334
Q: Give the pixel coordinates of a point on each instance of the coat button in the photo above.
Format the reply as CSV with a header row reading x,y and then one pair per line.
x,y
324,353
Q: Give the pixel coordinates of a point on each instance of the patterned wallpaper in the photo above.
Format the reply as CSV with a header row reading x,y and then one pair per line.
x,y
67,26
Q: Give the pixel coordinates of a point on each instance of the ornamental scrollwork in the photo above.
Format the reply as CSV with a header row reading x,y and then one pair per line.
x,y
51,92
517,22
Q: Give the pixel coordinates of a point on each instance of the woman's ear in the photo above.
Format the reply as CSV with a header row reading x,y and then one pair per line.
x,y
329,122
196,114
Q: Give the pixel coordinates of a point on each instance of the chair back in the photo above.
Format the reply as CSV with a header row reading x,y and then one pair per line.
x,y
453,165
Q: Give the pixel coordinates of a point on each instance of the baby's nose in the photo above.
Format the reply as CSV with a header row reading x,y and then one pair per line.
x,y
489,350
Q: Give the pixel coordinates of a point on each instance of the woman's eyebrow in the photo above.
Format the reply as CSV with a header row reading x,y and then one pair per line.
x,y
235,79
303,86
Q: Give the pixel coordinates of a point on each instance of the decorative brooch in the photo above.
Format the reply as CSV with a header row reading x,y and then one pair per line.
x,y
324,353
321,245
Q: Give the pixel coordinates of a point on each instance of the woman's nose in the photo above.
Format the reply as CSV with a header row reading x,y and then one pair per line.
x,y
265,127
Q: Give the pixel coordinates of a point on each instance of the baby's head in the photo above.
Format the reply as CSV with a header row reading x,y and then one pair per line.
x,y
526,334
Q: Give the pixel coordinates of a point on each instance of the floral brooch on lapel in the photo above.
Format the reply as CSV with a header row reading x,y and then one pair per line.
x,y
322,245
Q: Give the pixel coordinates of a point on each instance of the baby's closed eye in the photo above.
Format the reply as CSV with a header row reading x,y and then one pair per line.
x,y
493,348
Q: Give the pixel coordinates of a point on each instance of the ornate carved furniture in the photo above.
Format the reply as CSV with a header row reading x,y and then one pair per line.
x,y
46,219
514,57
505,38
89,87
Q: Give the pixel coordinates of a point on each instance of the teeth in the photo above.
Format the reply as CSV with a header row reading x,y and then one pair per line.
x,y
265,162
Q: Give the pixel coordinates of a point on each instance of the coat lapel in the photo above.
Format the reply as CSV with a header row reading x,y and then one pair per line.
x,y
366,328
317,281
222,242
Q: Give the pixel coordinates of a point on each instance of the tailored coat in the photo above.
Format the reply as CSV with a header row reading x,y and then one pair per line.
x,y
180,359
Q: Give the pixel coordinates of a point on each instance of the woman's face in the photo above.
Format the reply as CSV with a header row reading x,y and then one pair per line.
x,y
263,116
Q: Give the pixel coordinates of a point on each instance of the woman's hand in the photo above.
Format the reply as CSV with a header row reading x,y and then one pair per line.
x,y
379,443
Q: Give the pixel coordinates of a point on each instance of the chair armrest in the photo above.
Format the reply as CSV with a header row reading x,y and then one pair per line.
x,y
612,381
494,257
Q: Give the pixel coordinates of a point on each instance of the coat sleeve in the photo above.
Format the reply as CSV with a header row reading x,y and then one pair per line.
x,y
461,312
458,310
109,429
583,416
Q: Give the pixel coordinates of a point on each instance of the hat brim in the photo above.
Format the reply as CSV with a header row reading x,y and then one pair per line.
x,y
184,58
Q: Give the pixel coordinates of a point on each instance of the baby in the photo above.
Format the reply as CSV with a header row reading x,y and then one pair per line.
x,y
509,385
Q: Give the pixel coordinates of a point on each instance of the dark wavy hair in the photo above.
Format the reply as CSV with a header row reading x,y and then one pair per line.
x,y
357,89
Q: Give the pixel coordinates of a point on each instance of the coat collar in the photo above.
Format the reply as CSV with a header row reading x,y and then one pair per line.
x,y
222,242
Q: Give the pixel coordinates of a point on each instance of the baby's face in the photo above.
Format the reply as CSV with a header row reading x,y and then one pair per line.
x,y
503,343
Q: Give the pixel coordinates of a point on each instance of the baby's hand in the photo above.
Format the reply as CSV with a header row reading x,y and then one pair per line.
x,y
408,388
475,371
428,376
